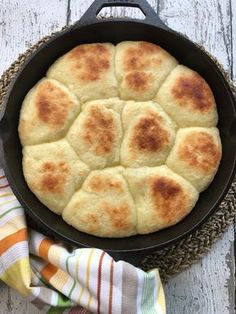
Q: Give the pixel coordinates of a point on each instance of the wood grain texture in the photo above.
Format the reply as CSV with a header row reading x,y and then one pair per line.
x,y
11,302
24,22
208,286
233,34
205,22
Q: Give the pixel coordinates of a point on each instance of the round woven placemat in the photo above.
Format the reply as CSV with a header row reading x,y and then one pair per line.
x,y
180,255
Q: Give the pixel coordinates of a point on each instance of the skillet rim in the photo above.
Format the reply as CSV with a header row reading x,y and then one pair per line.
x,y
49,229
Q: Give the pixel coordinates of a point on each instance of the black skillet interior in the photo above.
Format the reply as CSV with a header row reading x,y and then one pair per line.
x,y
90,29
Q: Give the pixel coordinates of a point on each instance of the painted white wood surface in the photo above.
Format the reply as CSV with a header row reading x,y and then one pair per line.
x,y
233,32
208,286
24,22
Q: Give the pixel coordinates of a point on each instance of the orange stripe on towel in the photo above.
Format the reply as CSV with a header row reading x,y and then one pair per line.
x,y
44,248
49,271
12,239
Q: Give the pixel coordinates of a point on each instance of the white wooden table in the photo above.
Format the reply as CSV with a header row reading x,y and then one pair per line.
x,y
209,286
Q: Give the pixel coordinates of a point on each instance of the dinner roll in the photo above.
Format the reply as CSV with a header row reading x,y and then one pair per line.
x,y
104,206
47,113
141,68
96,134
149,134
88,71
188,99
53,172
119,140
196,155
162,198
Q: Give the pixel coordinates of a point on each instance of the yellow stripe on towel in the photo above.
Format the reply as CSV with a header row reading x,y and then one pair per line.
x,y
18,276
10,227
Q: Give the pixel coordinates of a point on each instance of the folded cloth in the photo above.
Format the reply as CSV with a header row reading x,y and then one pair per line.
x,y
59,280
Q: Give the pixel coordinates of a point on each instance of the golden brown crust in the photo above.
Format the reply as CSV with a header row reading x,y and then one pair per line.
x,y
149,134
193,91
102,184
103,206
53,105
138,58
90,62
119,201
200,151
54,176
119,216
169,199
139,81
92,221
99,131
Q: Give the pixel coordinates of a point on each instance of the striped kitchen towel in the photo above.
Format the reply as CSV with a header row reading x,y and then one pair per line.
x,y
61,281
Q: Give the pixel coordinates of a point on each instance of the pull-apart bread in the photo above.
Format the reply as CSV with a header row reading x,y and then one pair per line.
x,y
119,140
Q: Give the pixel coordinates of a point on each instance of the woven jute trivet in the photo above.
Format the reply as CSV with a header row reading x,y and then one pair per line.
x,y
174,258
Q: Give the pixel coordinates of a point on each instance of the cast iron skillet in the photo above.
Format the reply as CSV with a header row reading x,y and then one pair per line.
x,y
88,30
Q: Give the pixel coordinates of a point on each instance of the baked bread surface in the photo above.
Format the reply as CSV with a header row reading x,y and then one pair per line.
x,y
119,140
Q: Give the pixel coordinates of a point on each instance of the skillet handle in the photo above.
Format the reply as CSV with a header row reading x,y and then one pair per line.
x,y
151,17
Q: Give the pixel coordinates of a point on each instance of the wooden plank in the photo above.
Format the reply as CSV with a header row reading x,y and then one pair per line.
x,y
205,22
233,77
24,22
11,302
208,286
233,33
